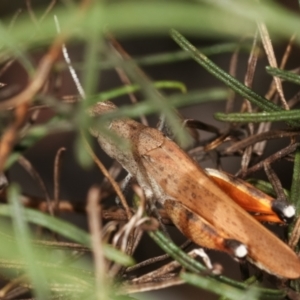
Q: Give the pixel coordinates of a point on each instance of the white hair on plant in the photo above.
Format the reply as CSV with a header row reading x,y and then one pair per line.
x,y
69,63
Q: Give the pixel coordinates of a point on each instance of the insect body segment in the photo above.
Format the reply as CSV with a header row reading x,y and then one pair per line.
x,y
200,231
194,202
192,187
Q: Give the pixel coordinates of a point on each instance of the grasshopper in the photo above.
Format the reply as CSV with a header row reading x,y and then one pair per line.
x,y
201,210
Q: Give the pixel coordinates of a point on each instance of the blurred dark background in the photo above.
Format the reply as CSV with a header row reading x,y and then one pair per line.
x,y
75,181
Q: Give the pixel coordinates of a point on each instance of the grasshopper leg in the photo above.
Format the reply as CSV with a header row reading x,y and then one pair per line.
x,y
201,232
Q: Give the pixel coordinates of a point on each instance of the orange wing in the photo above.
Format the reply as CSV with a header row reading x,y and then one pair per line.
x,y
252,199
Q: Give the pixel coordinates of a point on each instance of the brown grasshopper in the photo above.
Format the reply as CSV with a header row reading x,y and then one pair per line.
x,y
197,206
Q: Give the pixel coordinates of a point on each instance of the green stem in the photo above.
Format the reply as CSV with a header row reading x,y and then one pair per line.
x,y
226,78
286,75
192,265
279,116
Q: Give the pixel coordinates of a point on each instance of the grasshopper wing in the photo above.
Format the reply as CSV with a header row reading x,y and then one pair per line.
x,y
182,179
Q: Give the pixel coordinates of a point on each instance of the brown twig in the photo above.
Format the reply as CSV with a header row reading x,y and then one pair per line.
x,y
10,134
114,170
284,59
272,60
252,62
157,279
276,184
232,72
272,158
160,284
265,126
273,134
12,284
21,100
295,235
135,221
26,164
57,171
154,260
108,176
95,229
40,76
158,273
61,245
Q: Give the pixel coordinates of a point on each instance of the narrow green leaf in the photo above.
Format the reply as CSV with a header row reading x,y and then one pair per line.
x,y
284,115
295,188
94,41
82,155
226,78
220,288
286,75
25,246
265,187
192,265
177,100
67,230
176,253
157,98
124,90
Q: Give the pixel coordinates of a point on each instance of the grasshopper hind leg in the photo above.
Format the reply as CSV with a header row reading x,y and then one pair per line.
x,y
201,232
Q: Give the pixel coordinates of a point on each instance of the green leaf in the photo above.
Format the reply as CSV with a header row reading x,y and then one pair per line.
x,y
193,265
220,288
286,75
124,90
67,230
295,188
22,235
284,115
177,100
226,78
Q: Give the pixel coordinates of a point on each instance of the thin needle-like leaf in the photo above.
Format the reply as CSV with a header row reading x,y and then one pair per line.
x,y
220,288
286,116
23,241
286,75
192,265
231,82
295,188
67,230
